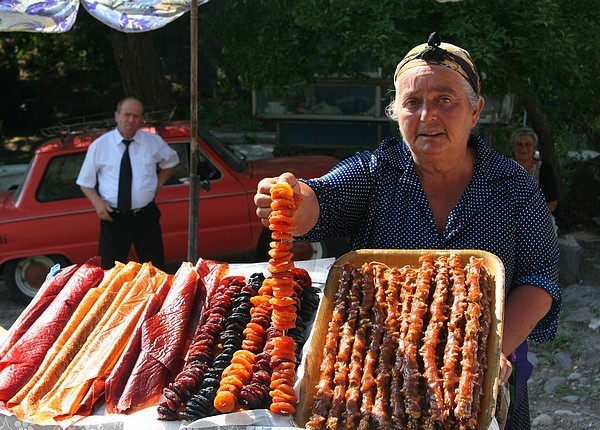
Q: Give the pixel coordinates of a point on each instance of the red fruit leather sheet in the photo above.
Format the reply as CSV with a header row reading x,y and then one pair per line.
x,y
26,355
46,294
163,341
211,273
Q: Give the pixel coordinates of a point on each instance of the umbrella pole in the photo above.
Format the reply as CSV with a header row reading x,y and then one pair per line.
x,y
194,188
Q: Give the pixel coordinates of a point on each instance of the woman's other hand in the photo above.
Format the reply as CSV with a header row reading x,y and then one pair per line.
x,y
505,370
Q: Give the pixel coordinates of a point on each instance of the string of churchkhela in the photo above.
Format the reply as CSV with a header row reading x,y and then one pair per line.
x,y
429,350
388,295
455,333
413,337
359,346
324,396
340,380
368,385
398,398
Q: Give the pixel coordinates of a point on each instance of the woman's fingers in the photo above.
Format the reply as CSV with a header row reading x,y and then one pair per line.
x,y
291,180
505,370
262,198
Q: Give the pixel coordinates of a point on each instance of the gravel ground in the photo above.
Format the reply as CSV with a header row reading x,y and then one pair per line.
x,y
565,386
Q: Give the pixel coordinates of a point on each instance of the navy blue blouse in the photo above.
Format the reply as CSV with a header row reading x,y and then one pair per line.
x,y
377,201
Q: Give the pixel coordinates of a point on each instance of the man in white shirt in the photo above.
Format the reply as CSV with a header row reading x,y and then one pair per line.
x,y
129,216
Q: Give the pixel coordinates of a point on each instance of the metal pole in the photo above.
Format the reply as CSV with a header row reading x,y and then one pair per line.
x,y
194,189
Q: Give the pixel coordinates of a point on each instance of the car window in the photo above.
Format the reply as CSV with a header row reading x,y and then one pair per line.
x,y
23,181
233,159
58,182
206,169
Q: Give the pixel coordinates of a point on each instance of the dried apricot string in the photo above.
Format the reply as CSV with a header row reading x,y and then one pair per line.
x,y
284,301
281,280
283,363
233,379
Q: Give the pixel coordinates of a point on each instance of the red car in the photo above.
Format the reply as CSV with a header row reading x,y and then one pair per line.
x,y
47,220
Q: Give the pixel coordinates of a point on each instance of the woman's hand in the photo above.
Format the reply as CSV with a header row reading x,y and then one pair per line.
x,y
262,198
505,370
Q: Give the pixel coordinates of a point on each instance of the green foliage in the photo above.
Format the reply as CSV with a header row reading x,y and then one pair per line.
x,y
85,49
541,47
232,115
44,77
568,139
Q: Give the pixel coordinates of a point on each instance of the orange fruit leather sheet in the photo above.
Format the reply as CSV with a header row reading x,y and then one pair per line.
x,y
85,318
161,348
85,374
22,361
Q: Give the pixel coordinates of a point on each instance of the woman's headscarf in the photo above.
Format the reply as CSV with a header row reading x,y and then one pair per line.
x,y
443,54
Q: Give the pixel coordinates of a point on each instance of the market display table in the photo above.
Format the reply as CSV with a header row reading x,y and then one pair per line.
x,y
320,272
146,418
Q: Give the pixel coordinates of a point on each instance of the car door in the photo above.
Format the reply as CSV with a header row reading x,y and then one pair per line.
x,y
55,217
223,223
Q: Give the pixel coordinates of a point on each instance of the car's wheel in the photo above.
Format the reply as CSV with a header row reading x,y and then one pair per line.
x,y
25,276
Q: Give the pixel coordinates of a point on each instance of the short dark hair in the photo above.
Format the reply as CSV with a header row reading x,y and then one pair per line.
x,y
123,100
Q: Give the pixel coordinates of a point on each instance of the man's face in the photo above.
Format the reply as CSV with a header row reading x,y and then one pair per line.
x,y
434,113
129,118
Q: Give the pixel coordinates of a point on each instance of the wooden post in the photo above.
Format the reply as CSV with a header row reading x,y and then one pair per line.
x,y
194,208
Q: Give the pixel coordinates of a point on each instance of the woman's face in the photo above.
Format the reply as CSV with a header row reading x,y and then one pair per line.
x,y
435,115
524,149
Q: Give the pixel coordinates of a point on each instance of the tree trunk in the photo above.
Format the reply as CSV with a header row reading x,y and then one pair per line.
x,y
142,72
546,141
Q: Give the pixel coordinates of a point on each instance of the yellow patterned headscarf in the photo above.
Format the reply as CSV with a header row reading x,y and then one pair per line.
x,y
443,54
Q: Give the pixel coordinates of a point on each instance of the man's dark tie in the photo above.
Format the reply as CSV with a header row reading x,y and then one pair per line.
x,y
125,176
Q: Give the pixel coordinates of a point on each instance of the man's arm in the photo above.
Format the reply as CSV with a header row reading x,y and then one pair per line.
x,y
102,208
163,176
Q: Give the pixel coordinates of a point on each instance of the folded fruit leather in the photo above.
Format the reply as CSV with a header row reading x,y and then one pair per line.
x,y
162,341
85,376
214,273
211,272
21,362
84,320
118,377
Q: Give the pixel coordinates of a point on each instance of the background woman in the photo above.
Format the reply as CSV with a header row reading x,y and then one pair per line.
x,y
524,144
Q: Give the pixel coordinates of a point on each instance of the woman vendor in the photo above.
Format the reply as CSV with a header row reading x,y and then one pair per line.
x,y
442,187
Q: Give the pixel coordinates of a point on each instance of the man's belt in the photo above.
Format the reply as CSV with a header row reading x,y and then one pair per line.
x,y
133,212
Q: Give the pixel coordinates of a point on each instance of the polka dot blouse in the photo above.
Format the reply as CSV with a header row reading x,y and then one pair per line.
x,y
376,200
